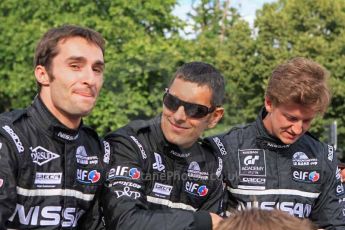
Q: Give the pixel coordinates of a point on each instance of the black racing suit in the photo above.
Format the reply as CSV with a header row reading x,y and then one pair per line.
x,y
301,178
152,184
49,174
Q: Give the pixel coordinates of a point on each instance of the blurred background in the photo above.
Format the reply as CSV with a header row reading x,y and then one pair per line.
x,y
148,39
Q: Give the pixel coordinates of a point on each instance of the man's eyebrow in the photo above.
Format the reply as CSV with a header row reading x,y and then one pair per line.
x,y
83,59
76,58
99,62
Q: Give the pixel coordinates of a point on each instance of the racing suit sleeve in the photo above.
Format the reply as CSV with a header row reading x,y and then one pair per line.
x,y
124,198
329,209
8,193
215,202
92,219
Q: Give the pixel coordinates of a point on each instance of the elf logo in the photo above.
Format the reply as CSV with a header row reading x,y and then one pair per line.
x,y
124,172
306,176
88,177
47,216
196,189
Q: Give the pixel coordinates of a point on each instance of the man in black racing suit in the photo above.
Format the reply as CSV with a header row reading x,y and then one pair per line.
x,y
51,164
274,162
161,176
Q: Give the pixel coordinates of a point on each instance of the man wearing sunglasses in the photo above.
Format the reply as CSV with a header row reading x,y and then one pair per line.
x,y
162,176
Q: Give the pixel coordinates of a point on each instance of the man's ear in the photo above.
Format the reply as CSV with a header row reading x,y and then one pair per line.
x,y
216,116
41,75
268,104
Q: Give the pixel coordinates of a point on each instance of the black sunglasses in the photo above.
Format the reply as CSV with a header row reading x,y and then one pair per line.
x,y
192,110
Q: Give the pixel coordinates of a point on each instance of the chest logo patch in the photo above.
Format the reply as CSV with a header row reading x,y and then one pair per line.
x,y
42,156
252,162
158,165
195,172
301,159
252,169
307,176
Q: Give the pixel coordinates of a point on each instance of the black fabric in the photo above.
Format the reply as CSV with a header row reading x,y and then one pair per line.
x,y
301,178
49,174
148,185
203,220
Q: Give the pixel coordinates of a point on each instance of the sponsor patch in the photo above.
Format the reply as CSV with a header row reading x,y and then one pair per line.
x,y
42,178
307,176
162,189
42,156
127,192
196,189
88,177
337,174
83,158
0,145
252,162
340,189
220,145
67,137
258,183
41,215
141,148
15,138
220,167
297,209
195,172
126,183
183,155
301,159
106,157
123,172
1,182
252,166
330,152
158,164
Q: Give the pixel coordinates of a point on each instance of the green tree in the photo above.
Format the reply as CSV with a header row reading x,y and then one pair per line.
x,y
224,39
309,28
140,53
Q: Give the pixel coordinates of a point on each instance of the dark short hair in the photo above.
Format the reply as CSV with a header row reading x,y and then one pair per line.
x,y
203,74
47,49
301,81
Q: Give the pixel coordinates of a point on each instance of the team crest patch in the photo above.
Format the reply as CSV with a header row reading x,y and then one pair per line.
x,y
301,159
42,156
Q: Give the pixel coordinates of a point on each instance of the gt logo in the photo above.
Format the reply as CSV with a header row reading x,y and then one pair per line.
x,y
249,160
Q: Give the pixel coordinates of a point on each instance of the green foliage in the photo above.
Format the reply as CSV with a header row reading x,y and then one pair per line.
x,y
140,52
314,29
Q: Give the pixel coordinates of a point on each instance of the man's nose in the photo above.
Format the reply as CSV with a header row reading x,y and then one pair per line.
x,y
180,114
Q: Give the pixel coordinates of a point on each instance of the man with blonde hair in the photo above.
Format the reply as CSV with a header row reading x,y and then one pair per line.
x,y
275,162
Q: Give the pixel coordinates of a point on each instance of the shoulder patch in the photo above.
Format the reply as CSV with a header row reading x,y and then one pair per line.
x,y
106,157
330,155
15,138
140,146
220,145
